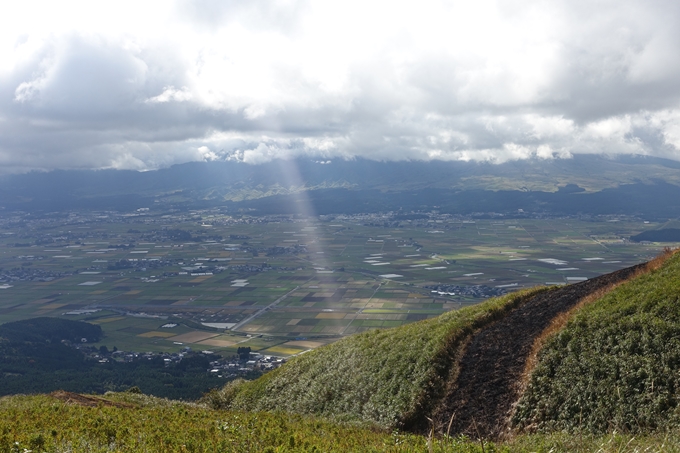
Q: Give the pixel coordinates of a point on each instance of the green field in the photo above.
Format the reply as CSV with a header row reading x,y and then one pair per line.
x,y
283,285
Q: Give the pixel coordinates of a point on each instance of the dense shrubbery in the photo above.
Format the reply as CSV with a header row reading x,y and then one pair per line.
x,y
34,360
616,365
52,330
45,369
388,377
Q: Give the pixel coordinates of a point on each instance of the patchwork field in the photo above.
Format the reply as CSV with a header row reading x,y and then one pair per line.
x,y
285,285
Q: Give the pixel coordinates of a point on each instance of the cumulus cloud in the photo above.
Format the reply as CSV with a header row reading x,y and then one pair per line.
x,y
172,94
141,86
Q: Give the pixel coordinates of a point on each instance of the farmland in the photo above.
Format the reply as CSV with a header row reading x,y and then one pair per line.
x,y
211,280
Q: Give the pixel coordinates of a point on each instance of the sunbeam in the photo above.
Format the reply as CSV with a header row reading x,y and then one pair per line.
x,y
303,208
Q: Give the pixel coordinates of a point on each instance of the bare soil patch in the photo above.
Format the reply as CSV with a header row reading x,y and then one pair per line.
x,y
86,400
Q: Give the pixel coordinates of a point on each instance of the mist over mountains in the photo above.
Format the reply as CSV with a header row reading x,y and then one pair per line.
x,y
583,184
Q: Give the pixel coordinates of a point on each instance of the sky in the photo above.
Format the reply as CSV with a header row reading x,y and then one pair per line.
x,y
148,84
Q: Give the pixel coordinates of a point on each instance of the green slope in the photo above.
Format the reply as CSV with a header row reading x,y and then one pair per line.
x,y
616,364
41,423
144,424
391,378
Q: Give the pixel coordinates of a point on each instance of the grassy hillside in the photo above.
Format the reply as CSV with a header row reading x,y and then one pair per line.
x,y
616,364
130,423
391,378
612,372
144,424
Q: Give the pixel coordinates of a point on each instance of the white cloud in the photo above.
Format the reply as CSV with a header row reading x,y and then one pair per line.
x,y
171,94
143,85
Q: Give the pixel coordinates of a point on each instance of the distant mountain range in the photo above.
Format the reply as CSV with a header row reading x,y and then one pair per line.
x,y
589,184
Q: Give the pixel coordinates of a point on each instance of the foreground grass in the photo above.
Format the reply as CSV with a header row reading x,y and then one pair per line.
x,y
43,424
390,378
667,442
616,364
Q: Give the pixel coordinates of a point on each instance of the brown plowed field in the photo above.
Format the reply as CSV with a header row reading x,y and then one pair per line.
x,y
493,362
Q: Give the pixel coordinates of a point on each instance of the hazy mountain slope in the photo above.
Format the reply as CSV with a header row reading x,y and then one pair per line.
x,y
668,232
584,184
220,182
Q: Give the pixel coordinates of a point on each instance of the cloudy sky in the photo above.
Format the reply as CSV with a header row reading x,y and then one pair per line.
x,y
147,84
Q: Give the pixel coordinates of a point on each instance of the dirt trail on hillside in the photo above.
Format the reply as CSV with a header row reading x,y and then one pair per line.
x,y
494,360
86,400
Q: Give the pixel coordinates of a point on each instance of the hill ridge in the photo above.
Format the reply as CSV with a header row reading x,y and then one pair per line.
x,y
444,368
480,401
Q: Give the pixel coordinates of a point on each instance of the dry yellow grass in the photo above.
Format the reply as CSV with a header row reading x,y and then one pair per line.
x,y
155,334
304,344
52,306
217,343
330,316
193,337
105,320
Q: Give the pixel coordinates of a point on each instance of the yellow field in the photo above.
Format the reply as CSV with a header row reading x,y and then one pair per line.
x,y
40,301
105,320
280,350
304,344
155,333
217,343
192,337
330,316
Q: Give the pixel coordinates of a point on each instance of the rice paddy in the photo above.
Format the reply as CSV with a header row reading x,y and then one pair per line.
x,y
283,286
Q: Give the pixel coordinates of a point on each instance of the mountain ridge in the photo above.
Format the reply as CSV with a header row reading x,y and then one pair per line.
x,y
532,185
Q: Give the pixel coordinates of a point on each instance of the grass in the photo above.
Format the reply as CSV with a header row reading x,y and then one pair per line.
x,y
145,424
615,442
390,378
616,364
41,423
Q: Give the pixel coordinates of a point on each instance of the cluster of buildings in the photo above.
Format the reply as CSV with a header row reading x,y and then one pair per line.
x,y
223,367
229,368
478,291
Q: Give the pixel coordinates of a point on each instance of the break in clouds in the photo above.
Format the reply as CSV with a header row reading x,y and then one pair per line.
x,y
143,85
